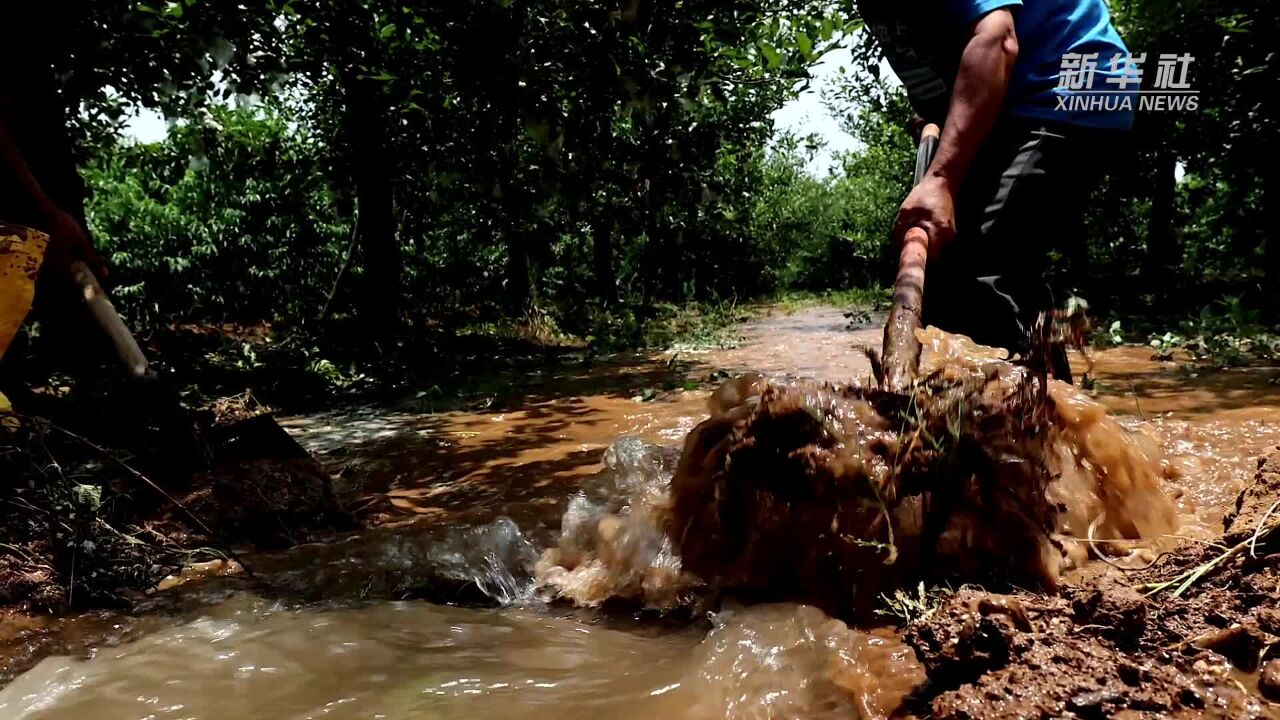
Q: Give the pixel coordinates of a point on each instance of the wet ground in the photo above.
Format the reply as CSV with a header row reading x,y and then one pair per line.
x,y
520,462
319,637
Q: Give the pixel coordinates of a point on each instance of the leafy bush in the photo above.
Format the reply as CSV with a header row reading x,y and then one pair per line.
x,y
228,220
1226,333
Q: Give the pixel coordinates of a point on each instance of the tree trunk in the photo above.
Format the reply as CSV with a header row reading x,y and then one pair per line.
x,y
1271,242
363,125
1163,253
606,276
522,287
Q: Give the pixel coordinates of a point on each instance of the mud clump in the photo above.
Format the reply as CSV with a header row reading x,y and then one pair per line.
x,y
1113,646
995,656
1269,680
982,664
1256,505
834,494
1116,609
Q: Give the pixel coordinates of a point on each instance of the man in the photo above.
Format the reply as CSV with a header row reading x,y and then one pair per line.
x,y
41,188
39,184
1014,165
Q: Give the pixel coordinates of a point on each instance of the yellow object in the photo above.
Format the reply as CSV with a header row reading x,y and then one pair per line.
x,y
21,252
8,421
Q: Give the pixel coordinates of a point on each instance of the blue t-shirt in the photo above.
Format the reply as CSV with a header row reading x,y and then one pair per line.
x,y
923,46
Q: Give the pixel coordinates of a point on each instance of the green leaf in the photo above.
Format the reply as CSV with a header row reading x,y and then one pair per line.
x,y
805,44
772,57
827,29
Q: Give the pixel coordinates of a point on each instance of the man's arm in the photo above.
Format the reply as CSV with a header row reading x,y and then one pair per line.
x,y
981,82
68,241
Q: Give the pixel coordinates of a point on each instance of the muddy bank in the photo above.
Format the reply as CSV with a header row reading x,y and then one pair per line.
x,y
83,526
1096,650
1125,644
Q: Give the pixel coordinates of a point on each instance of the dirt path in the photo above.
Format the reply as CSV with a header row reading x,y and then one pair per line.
x,y
520,461
473,465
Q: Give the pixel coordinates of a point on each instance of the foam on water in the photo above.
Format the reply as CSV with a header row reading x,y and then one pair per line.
x,y
611,540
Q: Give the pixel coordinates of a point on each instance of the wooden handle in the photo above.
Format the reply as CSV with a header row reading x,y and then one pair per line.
x,y
104,313
901,350
929,138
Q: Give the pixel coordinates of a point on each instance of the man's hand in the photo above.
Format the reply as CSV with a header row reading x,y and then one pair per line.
x,y
981,82
931,206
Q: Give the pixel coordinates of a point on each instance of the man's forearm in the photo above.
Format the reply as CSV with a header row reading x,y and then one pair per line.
x,y
979,90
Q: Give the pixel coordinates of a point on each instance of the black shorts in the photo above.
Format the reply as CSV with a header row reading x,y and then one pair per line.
x,y
1024,195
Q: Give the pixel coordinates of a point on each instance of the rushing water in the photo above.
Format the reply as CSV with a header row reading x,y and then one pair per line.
x,y
248,657
480,496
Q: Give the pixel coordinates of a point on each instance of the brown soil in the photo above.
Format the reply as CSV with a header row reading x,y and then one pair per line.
x,y
1102,649
270,503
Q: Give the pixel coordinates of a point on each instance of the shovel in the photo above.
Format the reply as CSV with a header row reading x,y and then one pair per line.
x,y
901,350
256,437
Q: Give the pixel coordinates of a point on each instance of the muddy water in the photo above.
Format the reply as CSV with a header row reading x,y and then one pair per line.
x,y
249,658
317,642
1213,424
519,462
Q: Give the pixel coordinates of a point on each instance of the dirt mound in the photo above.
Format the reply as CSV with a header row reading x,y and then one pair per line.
x,y
834,494
1105,649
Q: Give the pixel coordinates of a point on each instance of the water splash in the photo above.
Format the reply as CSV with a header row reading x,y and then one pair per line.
x,y
785,660
1109,478
473,564
496,558
834,494
612,544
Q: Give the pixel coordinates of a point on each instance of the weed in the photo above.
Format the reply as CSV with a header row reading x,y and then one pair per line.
x,y
1224,334
1182,582
907,607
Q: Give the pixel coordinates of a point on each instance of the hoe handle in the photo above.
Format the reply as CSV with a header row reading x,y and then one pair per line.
x,y
105,315
901,351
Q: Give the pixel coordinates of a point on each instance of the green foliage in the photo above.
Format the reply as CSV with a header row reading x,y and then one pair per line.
x,y
227,218
1225,334
689,326
602,170
859,303
531,160
1111,335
